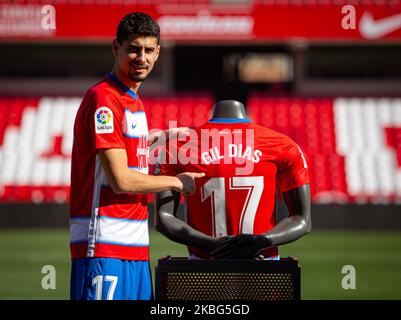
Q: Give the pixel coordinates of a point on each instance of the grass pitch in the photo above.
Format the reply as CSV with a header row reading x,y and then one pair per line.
x,y
376,257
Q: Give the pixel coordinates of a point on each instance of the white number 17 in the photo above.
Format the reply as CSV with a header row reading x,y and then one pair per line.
x,y
98,282
215,189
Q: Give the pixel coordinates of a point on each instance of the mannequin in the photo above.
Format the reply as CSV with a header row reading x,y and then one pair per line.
x,y
229,109
291,228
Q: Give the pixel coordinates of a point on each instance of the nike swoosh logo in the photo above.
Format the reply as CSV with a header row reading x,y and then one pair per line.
x,y
375,29
133,125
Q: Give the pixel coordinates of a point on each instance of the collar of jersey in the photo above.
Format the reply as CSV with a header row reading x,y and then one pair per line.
x,y
229,120
122,86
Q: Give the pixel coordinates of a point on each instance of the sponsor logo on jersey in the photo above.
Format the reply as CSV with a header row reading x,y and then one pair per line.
x,y
104,120
135,124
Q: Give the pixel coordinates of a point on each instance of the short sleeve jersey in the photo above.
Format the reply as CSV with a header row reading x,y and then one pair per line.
x,y
103,223
242,163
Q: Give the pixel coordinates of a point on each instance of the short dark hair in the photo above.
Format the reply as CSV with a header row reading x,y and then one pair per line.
x,y
137,24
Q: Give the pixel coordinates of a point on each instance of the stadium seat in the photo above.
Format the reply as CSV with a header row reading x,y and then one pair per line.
x,y
72,105
41,132
186,111
9,157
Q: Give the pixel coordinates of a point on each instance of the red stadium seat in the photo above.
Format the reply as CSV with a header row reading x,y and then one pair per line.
x,y
4,116
184,110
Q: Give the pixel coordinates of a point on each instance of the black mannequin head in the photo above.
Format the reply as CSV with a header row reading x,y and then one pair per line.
x,y
229,109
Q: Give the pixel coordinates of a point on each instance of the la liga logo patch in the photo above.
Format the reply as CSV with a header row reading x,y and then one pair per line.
x,y
104,120
103,117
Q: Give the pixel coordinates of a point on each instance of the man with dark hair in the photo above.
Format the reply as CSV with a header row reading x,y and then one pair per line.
x,y
137,23
147,36
109,182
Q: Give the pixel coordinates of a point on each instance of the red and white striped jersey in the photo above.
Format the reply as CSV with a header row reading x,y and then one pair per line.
x,y
103,223
242,163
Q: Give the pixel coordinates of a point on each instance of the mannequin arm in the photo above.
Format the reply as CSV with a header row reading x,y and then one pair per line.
x,y
296,225
167,223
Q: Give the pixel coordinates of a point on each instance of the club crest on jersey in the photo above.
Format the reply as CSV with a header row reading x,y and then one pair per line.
x,y
104,120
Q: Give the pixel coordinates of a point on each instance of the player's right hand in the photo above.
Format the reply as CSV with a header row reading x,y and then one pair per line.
x,y
187,182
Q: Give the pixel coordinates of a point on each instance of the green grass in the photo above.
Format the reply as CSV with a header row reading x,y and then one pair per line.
x,y
375,256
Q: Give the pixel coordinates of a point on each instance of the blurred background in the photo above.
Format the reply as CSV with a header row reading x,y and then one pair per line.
x,y
325,72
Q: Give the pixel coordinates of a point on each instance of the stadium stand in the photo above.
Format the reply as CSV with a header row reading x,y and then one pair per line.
x,y
353,145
